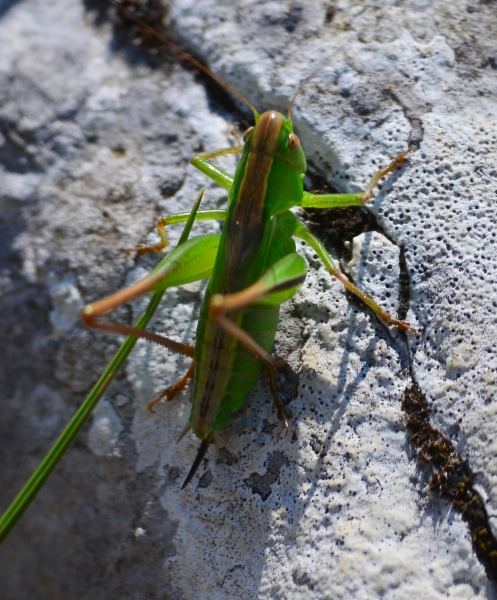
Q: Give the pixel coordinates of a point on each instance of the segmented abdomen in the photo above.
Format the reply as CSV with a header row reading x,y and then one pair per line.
x,y
225,371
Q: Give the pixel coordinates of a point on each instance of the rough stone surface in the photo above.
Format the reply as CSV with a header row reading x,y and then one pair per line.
x,y
95,139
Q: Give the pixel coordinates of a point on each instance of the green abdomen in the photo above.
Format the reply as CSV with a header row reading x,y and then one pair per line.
x,y
225,371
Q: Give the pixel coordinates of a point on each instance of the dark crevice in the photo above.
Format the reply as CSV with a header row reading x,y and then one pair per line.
x,y
6,5
15,155
337,226
129,38
450,475
404,286
416,134
413,110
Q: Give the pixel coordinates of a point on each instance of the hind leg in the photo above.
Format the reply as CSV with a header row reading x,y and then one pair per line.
x,y
279,283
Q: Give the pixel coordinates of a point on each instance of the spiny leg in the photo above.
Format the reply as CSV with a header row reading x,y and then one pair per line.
x,y
300,231
93,311
279,283
170,392
190,261
178,347
197,255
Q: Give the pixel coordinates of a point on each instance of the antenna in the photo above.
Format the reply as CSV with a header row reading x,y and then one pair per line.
x,y
184,55
299,89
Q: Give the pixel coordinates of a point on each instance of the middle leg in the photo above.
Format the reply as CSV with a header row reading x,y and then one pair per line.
x,y
303,233
170,392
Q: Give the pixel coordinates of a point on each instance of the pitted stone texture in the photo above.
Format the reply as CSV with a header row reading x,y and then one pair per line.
x,y
96,147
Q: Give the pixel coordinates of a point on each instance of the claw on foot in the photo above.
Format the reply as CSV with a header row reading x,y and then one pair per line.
x,y
143,248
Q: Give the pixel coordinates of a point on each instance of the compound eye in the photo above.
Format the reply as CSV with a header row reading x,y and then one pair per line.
x,y
293,142
247,133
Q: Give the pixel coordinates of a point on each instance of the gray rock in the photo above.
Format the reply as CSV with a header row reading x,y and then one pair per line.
x,y
95,146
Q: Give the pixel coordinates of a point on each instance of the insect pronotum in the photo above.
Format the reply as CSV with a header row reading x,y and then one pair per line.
x,y
252,267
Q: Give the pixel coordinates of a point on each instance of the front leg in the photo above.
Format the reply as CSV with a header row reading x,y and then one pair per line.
x,y
201,162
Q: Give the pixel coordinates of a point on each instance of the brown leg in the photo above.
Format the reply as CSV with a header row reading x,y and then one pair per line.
x,y
402,325
285,275
178,347
400,159
92,312
161,228
170,392
270,363
304,234
143,248
281,410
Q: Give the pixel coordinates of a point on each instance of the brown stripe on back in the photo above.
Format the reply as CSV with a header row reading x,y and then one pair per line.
x,y
252,192
205,403
207,407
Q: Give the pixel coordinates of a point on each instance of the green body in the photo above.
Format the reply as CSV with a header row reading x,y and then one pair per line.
x,y
256,251
252,241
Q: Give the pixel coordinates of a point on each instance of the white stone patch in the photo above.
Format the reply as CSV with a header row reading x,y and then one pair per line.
x,y
347,512
375,269
103,437
67,304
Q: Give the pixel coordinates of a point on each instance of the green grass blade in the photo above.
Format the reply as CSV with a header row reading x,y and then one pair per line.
x,y
52,459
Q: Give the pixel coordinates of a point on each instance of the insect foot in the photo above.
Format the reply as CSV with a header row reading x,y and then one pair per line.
x,y
400,159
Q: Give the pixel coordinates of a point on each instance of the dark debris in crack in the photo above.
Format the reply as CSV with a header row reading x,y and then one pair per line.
x,y
404,286
335,226
451,476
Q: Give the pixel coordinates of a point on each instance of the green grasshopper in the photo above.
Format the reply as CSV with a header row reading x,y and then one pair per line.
x,y
252,268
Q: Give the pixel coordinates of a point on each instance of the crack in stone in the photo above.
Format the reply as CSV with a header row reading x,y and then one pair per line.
x,y
404,286
413,110
451,475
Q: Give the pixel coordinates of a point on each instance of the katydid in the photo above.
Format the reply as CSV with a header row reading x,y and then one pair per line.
x,y
252,268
